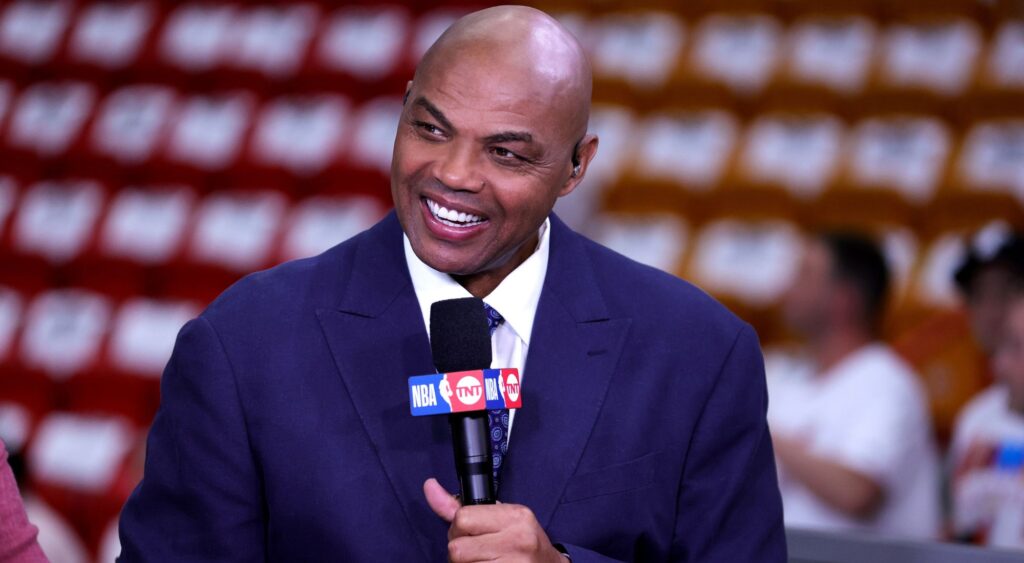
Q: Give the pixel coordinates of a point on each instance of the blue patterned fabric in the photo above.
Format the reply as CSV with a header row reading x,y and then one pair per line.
x,y
497,418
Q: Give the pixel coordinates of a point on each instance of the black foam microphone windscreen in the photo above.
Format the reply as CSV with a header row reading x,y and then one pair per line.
x,y
459,337
461,341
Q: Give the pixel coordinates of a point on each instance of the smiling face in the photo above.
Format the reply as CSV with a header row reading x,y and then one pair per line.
x,y
484,149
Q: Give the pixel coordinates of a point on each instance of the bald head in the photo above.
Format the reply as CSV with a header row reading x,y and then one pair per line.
x,y
522,46
493,131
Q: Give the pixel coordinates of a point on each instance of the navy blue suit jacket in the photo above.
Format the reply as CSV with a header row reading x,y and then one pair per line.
x,y
284,430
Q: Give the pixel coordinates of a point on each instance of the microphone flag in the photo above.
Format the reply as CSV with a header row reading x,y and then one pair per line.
x,y
464,391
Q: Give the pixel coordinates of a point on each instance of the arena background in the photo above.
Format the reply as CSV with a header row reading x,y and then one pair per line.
x,y
153,152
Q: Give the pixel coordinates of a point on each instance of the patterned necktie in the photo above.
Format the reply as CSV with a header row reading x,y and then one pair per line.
x,y
497,418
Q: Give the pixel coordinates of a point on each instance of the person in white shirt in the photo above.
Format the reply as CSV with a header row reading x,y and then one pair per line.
x,y
850,425
987,453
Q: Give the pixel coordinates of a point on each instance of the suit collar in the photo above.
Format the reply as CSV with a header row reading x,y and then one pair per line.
x,y
378,272
571,275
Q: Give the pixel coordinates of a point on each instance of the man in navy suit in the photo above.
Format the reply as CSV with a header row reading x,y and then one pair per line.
x,y
284,431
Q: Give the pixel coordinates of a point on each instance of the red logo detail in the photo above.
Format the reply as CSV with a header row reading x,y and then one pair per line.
x,y
510,380
469,391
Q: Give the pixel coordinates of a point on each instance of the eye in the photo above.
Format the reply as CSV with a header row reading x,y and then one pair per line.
x,y
505,154
429,129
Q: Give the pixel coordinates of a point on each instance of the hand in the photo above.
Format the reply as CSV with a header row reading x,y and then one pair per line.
x,y
503,532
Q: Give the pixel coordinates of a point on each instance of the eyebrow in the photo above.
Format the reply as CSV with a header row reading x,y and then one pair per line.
x,y
497,138
432,110
509,137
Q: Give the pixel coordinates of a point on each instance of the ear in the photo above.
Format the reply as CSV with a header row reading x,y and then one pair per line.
x,y
408,88
585,154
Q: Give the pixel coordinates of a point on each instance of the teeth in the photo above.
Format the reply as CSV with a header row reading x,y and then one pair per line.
x,y
452,217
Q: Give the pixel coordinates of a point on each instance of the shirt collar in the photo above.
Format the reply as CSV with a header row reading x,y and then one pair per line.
x,y
515,298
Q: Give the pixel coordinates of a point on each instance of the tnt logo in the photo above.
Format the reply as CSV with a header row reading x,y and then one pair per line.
x,y
469,390
510,388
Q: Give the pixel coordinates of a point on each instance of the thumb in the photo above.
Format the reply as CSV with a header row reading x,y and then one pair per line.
x,y
441,502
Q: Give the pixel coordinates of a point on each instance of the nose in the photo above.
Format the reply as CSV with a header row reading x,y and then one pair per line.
x,y
458,168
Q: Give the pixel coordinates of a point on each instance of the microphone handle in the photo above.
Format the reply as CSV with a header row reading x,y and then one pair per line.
x,y
472,444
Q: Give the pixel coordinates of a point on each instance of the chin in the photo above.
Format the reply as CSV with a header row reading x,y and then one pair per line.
x,y
445,262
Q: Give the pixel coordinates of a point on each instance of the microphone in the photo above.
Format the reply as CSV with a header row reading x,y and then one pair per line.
x,y
460,341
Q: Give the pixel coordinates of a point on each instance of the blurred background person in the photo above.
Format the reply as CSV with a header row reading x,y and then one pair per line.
x,y
987,453
850,424
952,350
17,536
989,276
54,535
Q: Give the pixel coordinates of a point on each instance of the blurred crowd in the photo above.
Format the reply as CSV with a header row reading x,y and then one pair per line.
x,y
851,420
151,152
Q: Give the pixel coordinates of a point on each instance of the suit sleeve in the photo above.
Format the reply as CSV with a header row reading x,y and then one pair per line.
x,y
200,498
729,508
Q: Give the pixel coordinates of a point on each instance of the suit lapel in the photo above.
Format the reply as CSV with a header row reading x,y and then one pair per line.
x,y
377,338
574,349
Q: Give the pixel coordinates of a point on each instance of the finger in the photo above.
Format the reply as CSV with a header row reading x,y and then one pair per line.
x,y
441,502
475,548
476,520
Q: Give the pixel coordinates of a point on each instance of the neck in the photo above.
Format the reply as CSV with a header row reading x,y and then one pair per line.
x,y
833,345
481,284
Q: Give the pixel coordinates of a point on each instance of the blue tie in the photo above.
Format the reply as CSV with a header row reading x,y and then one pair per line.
x,y
498,418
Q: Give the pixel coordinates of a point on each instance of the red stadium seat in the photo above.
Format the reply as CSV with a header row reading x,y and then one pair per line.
x,y
208,135
362,50
318,223
659,241
47,120
786,157
196,36
634,53
147,225
31,33
125,382
143,335
74,464
57,218
297,140
130,126
64,332
109,37
232,233
271,42
369,155
680,157
237,231
733,57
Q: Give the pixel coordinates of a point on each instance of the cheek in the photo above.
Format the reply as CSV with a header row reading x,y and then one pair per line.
x,y
525,200
409,158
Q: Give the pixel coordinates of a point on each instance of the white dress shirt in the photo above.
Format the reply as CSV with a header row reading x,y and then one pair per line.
x,y
515,299
869,413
